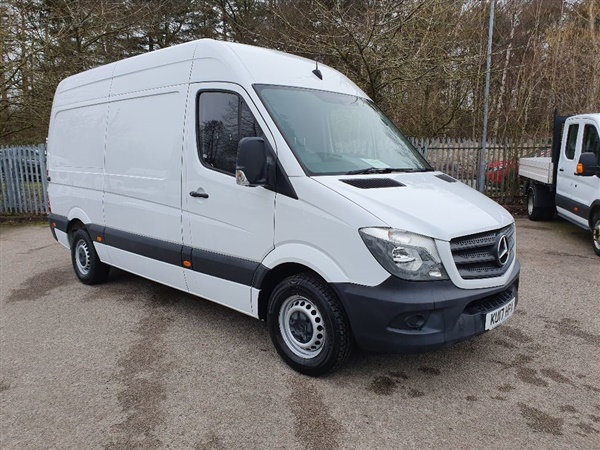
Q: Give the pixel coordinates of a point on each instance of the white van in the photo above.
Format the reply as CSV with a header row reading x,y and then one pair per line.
x,y
273,186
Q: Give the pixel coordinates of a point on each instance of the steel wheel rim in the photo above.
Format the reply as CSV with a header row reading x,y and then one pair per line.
x,y
82,257
530,204
302,327
596,234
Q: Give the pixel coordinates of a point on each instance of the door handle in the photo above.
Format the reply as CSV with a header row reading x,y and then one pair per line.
x,y
199,194
561,170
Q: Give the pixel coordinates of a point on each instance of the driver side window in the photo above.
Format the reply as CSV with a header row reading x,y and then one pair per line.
x,y
223,119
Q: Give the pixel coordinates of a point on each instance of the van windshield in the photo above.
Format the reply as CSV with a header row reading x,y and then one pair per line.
x,y
335,134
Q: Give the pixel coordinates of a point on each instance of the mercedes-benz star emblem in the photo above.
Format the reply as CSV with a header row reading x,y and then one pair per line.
x,y
502,251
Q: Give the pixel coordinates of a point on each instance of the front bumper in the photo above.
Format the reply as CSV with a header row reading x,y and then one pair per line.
x,y
408,316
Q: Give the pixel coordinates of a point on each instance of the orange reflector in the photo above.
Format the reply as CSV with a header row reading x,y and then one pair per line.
x,y
54,224
99,238
187,264
575,208
579,168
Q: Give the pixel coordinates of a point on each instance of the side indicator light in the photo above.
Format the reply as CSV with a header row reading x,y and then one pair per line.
x,y
575,209
579,169
99,238
54,224
187,264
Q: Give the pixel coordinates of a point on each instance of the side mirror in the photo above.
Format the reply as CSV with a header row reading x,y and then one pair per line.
x,y
252,166
586,167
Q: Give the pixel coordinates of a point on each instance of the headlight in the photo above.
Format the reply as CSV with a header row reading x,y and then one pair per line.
x,y
406,255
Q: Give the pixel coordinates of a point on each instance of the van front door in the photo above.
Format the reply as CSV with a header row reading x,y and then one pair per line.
x,y
227,229
567,181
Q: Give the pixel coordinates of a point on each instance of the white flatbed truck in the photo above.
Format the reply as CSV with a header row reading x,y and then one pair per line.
x,y
567,182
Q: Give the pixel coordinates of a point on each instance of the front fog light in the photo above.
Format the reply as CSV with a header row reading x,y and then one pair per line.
x,y
406,255
435,273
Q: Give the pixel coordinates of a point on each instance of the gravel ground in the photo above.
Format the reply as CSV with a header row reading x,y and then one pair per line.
x,y
133,364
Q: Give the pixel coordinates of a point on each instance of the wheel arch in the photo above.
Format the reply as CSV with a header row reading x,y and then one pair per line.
x,y
275,276
594,209
77,219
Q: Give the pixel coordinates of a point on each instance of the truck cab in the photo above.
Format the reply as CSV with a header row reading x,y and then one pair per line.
x,y
568,182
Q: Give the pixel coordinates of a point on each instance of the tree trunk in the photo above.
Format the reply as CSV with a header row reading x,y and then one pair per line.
x,y
499,103
593,99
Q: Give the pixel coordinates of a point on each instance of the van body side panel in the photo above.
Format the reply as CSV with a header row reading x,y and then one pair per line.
x,y
143,173
75,159
152,269
153,70
89,86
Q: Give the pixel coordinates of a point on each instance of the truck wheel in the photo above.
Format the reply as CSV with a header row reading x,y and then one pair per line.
x,y
308,325
88,267
536,213
596,233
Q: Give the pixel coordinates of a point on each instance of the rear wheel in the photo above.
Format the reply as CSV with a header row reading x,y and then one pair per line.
x,y
88,267
596,233
308,325
535,212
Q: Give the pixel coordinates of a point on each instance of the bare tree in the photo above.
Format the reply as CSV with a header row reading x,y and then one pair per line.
x,y
421,61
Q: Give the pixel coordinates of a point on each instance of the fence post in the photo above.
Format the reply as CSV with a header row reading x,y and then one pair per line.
x,y
44,178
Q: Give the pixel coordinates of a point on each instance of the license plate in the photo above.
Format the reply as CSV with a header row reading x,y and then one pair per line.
x,y
499,316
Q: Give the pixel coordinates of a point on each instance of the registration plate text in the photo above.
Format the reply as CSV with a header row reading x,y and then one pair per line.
x,y
499,316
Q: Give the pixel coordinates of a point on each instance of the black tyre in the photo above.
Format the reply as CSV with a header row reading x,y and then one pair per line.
x,y
534,212
88,267
308,325
596,233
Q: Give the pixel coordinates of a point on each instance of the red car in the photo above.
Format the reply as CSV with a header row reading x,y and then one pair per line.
x,y
499,172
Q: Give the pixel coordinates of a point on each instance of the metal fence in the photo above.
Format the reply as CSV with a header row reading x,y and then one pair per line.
x,y
23,186
459,158
23,180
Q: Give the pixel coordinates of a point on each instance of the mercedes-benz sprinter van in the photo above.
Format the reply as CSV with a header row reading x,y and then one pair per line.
x,y
274,186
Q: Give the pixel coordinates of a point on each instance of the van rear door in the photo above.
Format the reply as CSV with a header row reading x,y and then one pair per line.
x,y
227,229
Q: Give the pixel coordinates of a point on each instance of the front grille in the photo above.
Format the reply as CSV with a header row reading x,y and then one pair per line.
x,y
475,256
488,304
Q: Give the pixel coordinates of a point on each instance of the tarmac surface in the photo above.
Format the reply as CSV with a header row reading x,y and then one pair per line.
x,y
133,364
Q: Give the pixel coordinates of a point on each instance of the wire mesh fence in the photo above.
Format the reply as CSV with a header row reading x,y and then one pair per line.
x,y
23,169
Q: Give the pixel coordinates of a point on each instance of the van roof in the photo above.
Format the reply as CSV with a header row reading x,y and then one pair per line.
x,y
210,60
591,116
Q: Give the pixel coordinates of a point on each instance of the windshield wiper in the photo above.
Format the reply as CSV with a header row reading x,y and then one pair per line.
x,y
386,170
414,169
370,170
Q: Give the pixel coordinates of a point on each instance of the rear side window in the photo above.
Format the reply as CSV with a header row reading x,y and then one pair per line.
x,y
591,141
571,141
223,119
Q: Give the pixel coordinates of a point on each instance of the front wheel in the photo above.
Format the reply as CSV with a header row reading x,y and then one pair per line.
x,y
308,325
88,267
596,233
